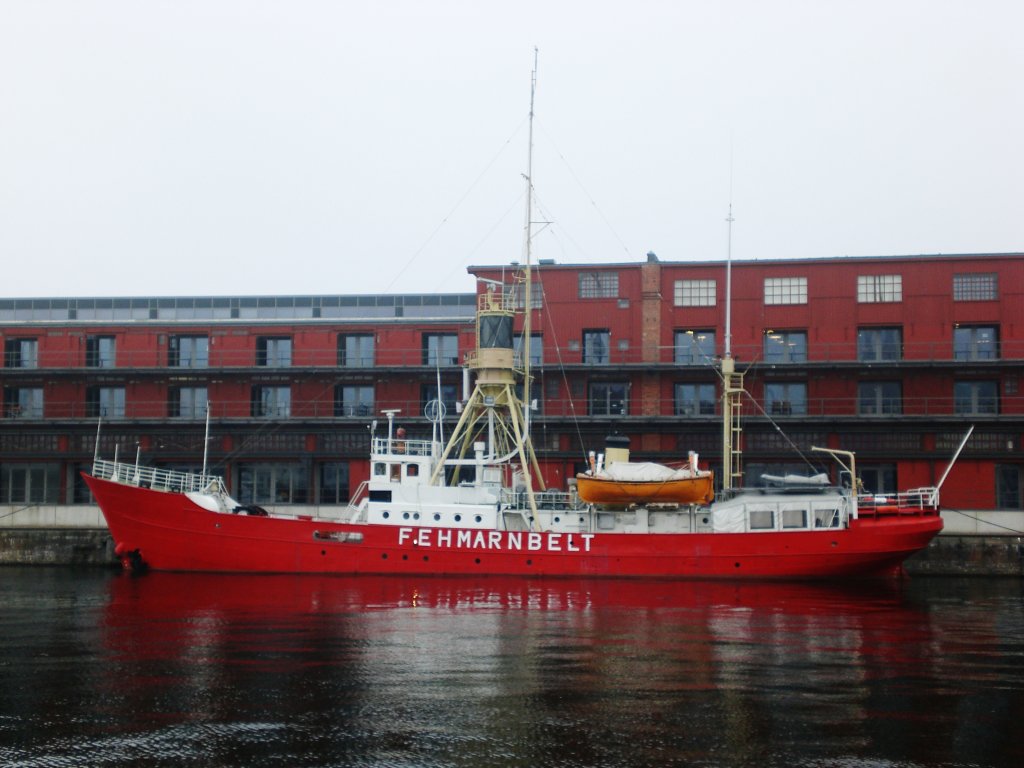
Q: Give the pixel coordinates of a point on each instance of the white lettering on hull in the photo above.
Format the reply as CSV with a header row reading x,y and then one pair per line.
x,y
501,541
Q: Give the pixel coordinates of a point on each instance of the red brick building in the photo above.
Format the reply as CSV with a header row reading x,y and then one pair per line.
x,y
892,357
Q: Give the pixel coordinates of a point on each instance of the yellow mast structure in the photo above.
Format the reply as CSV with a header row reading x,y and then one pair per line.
x,y
493,413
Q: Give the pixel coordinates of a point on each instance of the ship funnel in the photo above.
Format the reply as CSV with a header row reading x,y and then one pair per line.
x,y
616,448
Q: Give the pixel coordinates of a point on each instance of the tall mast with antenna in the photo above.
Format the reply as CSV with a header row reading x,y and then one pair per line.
x,y
528,246
732,382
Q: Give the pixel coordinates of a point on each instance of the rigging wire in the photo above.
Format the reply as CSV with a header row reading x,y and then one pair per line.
x,y
589,197
458,204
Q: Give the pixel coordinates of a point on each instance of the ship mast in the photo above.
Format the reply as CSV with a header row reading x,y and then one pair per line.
x,y
732,385
494,416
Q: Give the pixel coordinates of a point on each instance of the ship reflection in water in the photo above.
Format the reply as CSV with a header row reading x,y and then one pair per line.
x,y
185,669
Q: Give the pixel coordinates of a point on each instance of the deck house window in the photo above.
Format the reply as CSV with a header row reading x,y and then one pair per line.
x,y
271,402
107,402
786,398
695,293
971,286
598,285
353,400
355,350
879,344
440,349
187,402
696,347
695,399
274,351
877,289
597,346
21,353
785,290
785,346
975,342
608,398
879,398
975,398
23,402
100,351
188,351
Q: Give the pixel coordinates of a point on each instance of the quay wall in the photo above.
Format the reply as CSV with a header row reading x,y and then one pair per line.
x,y
973,543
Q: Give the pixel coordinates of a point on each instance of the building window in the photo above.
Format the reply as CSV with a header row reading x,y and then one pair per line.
x,y
608,398
877,398
536,350
449,396
100,351
785,290
333,483
272,484
188,351
695,399
440,349
975,398
785,346
1008,495
536,404
695,293
597,346
599,285
353,400
106,402
274,351
975,287
21,353
694,347
786,398
876,289
878,344
355,350
879,478
23,402
271,402
975,342
187,403
30,483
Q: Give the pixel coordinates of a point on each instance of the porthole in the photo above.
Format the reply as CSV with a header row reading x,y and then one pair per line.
x,y
558,519
386,514
416,516
477,561
705,520
458,518
405,515
437,516
478,518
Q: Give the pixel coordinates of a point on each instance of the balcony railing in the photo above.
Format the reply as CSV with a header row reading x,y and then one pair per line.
x,y
571,354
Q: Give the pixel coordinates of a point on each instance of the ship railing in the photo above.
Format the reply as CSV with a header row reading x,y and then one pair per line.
x,y
402,446
156,478
545,500
919,499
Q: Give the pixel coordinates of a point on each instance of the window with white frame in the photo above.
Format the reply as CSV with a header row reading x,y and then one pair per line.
x,y
30,483
353,400
21,353
695,293
786,398
879,289
785,290
107,402
975,286
23,402
272,483
270,402
599,285
187,402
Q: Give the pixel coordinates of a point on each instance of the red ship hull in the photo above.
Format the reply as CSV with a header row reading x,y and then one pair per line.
x,y
169,532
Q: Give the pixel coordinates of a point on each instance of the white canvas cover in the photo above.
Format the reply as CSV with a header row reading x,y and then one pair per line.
x,y
645,471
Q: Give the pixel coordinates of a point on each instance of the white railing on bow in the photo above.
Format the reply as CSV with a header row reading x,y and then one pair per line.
x,y
157,479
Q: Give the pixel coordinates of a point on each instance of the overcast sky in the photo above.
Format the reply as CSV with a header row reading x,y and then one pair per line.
x,y
216,147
